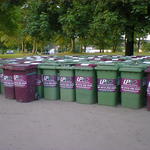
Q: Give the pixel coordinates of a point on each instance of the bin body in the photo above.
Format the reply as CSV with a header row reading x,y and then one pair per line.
x,y
85,82
8,82
1,81
107,85
50,82
132,87
39,84
25,82
148,87
67,84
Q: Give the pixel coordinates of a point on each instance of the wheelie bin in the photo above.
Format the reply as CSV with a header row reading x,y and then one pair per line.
x,y
39,84
85,83
133,86
1,81
8,81
50,81
148,87
67,83
107,85
25,82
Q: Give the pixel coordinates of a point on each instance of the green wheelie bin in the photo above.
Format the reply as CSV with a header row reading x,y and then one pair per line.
x,y
133,86
50,81
85,83
67,83
1,81
39,84
107,85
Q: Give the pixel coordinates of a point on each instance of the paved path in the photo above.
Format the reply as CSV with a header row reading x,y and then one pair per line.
x,y
56,125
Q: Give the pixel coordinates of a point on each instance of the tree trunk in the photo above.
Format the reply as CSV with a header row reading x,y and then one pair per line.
x,y
84,48
81,49
34,46
73,45
114,48
25,48
129,46
22,46
41,50
139,44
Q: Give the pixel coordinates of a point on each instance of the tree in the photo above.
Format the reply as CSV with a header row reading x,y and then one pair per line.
x,y
134,16
75,23
103,30
42,21
8,15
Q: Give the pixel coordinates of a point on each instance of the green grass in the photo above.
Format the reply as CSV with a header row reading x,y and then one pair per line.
x,y
69,53
15,55
117,53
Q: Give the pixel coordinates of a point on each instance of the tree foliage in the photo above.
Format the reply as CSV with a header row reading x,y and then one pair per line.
x,y
98,23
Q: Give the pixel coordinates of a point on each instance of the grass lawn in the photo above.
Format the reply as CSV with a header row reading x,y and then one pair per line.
x,y
15,55
117,53
68,53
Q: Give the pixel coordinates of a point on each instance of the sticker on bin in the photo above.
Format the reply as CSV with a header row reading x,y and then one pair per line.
x,y
20,81
148,89
67,82
50,81
39,81
84,83
131,85
107,85
8,81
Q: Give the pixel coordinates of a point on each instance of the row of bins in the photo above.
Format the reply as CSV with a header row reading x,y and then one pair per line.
x,y
105,84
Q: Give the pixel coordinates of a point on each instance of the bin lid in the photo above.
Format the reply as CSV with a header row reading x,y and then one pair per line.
x,y
65,67
19,67
85,66
108,67
48,66
131,69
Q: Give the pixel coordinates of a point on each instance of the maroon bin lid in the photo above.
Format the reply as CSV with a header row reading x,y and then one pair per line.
x,y
19,67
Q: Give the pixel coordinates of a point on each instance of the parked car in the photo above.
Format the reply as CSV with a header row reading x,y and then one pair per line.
x,y
9,52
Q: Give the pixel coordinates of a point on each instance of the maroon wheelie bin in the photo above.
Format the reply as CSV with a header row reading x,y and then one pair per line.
x,y
25,82
148,88
8,82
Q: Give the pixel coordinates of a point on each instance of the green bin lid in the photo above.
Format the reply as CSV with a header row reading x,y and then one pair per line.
x,y
131,69
108,67
65,67
48,66
85,67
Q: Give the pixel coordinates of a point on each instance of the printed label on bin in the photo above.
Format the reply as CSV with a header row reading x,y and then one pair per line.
x,y
131,85
67,82
50,81
20,81
148,88
107,85
8,81
84,82
39,81
1,77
